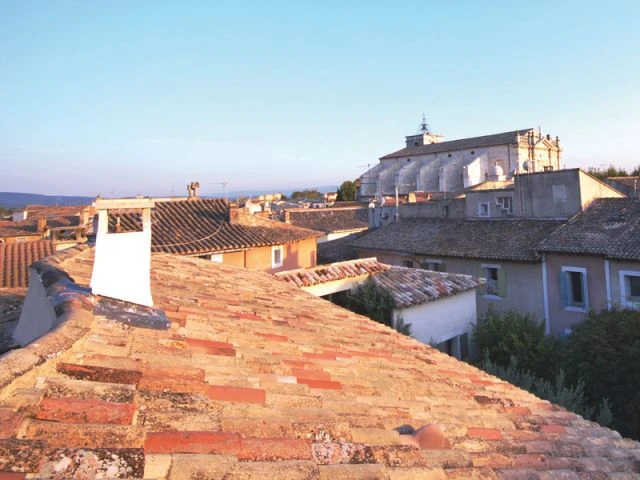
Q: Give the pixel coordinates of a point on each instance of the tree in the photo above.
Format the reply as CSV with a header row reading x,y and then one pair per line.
x,y
306,194
347,191
604,349
611,171
511,334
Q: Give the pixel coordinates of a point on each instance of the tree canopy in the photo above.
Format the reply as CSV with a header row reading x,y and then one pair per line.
x,y
347,191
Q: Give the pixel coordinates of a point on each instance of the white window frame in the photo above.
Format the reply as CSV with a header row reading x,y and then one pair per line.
x,y
492,296
624,300
432,262
275,249
481,213
217,257
502,202
585,289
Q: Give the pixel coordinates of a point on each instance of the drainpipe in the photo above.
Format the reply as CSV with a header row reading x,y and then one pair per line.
x,y
545,295
607,281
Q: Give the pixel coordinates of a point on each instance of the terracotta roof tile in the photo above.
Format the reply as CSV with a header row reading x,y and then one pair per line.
x,y
515,240
15,259
608,227
303,389
191,227
330,220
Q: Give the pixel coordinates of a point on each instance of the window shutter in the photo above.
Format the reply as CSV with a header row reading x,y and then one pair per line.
x,y
442,267
502,282
564,290
482,289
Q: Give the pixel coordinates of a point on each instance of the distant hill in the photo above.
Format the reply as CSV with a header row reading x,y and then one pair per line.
x,y
19,200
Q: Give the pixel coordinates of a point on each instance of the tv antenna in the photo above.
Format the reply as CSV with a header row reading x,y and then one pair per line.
x,y
424,126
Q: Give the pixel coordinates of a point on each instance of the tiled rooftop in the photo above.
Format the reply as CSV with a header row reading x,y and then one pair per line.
x,y
514,240
307,277
257,379
609,227
407,286
15,259
338,250
414,286
330,220
463,143
191,227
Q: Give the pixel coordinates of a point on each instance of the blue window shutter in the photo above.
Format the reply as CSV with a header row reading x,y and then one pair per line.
x,y
564,289
502,282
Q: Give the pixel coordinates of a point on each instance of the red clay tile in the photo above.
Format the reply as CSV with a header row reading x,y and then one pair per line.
x,y
172,384
9,422
324,384
530,460
485,433
517,410
12,476
553,429
322,356
235,394
192,442
270,449
73,410
186,373
211,347
249,316
310,374
102,368
273,336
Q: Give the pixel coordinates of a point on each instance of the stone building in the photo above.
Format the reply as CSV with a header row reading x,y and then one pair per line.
x,y
430,164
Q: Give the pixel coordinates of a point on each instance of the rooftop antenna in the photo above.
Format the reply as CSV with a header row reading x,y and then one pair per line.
x,y
424,126
225,184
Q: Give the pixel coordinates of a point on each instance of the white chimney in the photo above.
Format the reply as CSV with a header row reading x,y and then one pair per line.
x,y
121,268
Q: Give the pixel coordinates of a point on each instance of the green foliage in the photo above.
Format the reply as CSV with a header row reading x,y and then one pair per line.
x,y
509,334
373,302
347,191
604,349
572,397
403,327
611,171
306,195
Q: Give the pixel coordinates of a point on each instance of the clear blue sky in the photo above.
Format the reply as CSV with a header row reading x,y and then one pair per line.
x,y
126,97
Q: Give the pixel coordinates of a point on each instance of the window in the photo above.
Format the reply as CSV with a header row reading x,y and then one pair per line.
x,y
407,263
573,288
483,209
217,257
435,265
276,256
496,281
505,203
630,289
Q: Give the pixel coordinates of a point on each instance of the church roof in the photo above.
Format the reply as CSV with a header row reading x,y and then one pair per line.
x,y
506,138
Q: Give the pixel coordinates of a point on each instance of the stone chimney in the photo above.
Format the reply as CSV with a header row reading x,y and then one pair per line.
x,y
122,264
42,224
192,190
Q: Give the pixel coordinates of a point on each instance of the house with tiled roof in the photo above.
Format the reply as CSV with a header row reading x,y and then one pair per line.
x,y
254,378
334,222
593,262
66,226
502,252
209,228
430,164
439,307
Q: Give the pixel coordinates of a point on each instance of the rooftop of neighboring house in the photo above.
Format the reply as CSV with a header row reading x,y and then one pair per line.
x,y
461,144
338,250
257,379
330,220
510,240
201,226
53,211
608,227
15,259
24,228
492,185
408,286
